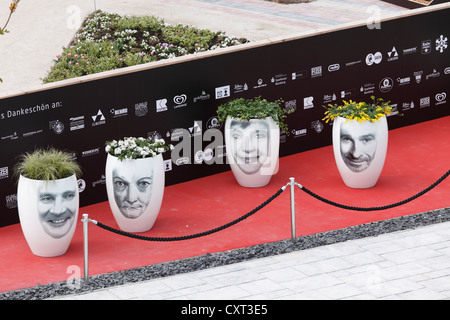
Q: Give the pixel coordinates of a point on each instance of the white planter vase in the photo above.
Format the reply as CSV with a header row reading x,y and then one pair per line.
x,y
135,189
48,213
360,150
252,149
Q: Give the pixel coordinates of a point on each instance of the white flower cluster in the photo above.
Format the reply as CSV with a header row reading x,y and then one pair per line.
x,y
136,148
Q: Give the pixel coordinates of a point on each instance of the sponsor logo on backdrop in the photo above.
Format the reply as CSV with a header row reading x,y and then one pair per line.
x,y
57,126
347,93
222,92
291,105
441,98
279,79
212,123
404,80
334,67
201,156
260,84
161,105
32,133
180,101
316,72
204,96
168,165
374,58
328,98
91,152
76,123
433,74
299,75
177,133
119,112
418,76
182,161
238,88
221,152
4,173
447,70
98,119
299,133
410,50
100,181
317,125
308,103
426,46
352,63
12,136
386,84
395,107
140,109
392,55
196,129
425,102
154,135
441,44
11,201
408,106
367,88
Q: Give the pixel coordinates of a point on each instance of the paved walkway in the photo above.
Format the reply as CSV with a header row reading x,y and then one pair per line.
x,y
410,264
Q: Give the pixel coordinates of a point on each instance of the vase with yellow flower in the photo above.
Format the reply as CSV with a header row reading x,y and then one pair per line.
x,y
360,139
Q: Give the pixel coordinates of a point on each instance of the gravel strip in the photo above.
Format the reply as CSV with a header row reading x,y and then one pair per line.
x,y
229,257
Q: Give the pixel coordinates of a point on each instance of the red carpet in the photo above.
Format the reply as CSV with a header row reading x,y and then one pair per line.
x,y
417,156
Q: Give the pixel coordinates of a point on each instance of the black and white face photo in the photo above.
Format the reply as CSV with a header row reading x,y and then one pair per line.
x,y
358,146
132,185
57,207
249,144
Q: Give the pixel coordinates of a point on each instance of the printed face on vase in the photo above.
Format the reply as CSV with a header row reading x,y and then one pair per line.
x,y
57,206
250,144
132,185
358,146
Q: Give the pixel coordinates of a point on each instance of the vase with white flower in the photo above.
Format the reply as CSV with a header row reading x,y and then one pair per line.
x,y
135,180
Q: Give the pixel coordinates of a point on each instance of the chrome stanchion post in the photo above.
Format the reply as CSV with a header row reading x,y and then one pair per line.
x,y
293,233
85,247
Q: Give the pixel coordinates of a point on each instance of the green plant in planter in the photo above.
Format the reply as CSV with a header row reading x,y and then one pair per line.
x,y
256,108
47,164
136,148
360,111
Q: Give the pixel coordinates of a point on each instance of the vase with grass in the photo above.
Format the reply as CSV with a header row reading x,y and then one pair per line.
x,y
48,200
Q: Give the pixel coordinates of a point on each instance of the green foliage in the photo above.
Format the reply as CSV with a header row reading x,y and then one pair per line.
x,y
359,111
47,164
109,41
256,108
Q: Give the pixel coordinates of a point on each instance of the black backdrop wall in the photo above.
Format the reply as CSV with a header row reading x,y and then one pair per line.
x,y
406,61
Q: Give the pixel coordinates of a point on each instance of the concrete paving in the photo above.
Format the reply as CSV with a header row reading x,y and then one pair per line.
x,y
403,265
412,264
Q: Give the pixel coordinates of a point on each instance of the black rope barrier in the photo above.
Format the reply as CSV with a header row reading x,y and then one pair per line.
x,y
192,236
389,206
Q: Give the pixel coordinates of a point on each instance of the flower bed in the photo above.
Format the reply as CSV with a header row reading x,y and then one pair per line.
x,y
108,41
